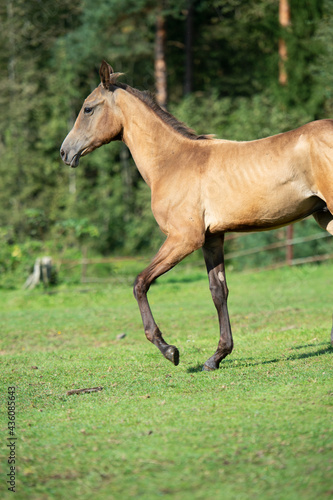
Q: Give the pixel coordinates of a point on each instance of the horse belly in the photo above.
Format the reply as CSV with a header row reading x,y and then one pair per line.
x,y
259,212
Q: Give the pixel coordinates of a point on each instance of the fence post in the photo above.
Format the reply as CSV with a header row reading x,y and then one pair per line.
x,y
84,265
289,244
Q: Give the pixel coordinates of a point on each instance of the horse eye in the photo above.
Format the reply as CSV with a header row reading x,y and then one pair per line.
x,y
87,110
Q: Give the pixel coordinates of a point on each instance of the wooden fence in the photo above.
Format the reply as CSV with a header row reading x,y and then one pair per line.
x,y
287,244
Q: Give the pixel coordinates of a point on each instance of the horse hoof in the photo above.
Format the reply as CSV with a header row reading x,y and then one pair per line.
x,y
172,354
209,366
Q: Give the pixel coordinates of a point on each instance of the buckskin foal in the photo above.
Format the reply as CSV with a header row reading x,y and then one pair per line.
x,y
202,187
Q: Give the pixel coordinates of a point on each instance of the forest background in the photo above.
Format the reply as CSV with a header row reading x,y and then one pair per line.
x,y
222,70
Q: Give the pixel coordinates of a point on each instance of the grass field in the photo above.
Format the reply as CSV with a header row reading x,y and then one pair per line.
x,y
258,428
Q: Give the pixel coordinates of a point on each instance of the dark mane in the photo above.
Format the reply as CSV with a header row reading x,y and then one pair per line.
x,y
149,99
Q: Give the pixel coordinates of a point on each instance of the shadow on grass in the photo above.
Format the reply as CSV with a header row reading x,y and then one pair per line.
x,y
195,369
307,345
320,352
241,363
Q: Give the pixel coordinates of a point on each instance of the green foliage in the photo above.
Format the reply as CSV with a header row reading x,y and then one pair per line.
x,y
77,229
240,118
16,261
49,63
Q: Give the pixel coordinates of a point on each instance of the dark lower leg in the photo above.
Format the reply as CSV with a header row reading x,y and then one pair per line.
x,y
213,253
152,331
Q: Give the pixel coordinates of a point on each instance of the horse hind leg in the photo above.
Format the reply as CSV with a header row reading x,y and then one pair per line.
x,y
325,220
214,258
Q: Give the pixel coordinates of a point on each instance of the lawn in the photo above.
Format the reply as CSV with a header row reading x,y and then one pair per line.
x,y
258,428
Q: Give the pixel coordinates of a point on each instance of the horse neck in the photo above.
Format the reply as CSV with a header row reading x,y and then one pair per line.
x,y
150,140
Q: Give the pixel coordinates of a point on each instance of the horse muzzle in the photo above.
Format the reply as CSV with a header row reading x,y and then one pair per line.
x,y
70,158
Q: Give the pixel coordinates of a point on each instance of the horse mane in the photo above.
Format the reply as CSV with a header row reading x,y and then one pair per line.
x,y
149,100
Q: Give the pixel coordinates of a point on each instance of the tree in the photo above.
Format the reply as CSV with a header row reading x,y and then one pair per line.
x,y
188,82
160,60
28,173
229,72
284,20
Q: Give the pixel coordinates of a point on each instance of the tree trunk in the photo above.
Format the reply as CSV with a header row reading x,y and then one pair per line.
x,y
42,272
11,59
284,20
188,83
160,62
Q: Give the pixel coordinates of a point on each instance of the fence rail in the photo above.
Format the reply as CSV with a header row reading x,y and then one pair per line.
x,y
288,243
279,244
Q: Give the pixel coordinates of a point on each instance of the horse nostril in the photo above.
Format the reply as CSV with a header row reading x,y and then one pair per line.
x,y
62,154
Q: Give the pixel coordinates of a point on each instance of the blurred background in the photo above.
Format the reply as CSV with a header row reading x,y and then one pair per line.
x,y
238,69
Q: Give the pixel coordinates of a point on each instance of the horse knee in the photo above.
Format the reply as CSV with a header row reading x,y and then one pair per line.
x,y
140,288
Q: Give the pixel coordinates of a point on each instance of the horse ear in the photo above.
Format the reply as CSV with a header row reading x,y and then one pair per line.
x,y
105,72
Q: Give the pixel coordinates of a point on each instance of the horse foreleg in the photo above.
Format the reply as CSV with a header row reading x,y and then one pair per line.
x,y
214,258
172,251
325,220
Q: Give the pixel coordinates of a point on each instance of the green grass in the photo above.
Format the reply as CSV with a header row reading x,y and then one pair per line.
x,y
259,428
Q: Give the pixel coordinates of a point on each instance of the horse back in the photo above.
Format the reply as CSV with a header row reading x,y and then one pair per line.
x,y
270,182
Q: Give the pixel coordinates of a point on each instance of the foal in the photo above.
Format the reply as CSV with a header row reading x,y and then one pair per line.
x,y
202,188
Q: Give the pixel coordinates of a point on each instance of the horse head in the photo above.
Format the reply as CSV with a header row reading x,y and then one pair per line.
x,y
99,120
